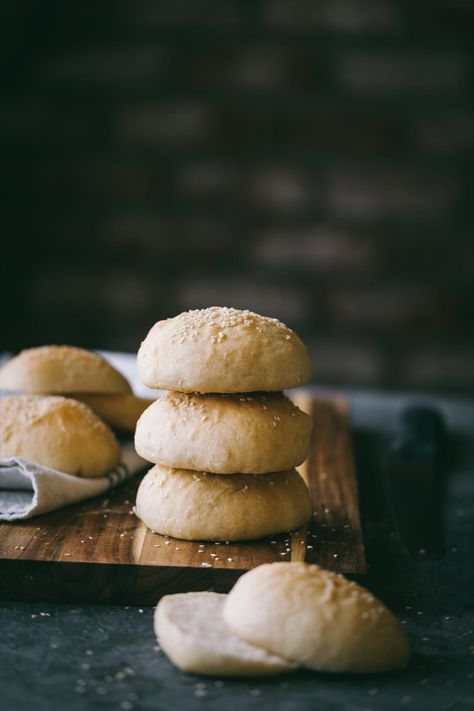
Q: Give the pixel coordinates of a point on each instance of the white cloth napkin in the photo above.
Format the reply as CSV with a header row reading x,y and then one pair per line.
x,y
28,489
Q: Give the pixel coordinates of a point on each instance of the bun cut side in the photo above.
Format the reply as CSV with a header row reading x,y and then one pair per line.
x,y
191,631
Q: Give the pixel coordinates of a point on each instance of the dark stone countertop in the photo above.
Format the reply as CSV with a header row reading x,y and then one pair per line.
x,y
74,657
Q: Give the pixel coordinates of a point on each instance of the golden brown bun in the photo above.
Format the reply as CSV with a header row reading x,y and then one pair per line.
x,y
191,631
57,432
61,369
221,350
198,506
119,411
224,434
316,618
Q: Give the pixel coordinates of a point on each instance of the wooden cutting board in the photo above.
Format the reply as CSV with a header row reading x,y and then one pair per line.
x,y
99,551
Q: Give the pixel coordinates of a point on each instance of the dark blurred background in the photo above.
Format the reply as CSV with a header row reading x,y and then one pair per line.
x,y
307,159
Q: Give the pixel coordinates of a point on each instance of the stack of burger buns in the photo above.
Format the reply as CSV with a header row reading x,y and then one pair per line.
x,y
278,617
225,440
75,373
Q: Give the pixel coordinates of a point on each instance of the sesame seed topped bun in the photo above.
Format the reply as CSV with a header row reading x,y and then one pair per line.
x,y
60,370
198,506
58,433
224,434
222,350
316,618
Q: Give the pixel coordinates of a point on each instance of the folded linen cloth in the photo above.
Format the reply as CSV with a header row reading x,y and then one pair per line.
x,y
28,489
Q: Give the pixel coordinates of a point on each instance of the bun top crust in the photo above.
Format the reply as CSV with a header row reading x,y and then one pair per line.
x,y
222,350
317,618
61,369
224,434
198,506
57,432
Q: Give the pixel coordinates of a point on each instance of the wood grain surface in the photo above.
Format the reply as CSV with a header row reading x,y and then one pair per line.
x,y
100,551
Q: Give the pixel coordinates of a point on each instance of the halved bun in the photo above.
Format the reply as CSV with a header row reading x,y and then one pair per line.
x,y
316,618
191,631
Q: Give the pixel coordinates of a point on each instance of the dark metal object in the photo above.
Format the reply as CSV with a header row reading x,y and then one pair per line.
x,y
413,481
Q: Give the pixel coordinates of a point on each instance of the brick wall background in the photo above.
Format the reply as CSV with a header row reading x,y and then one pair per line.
x,y
305,159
